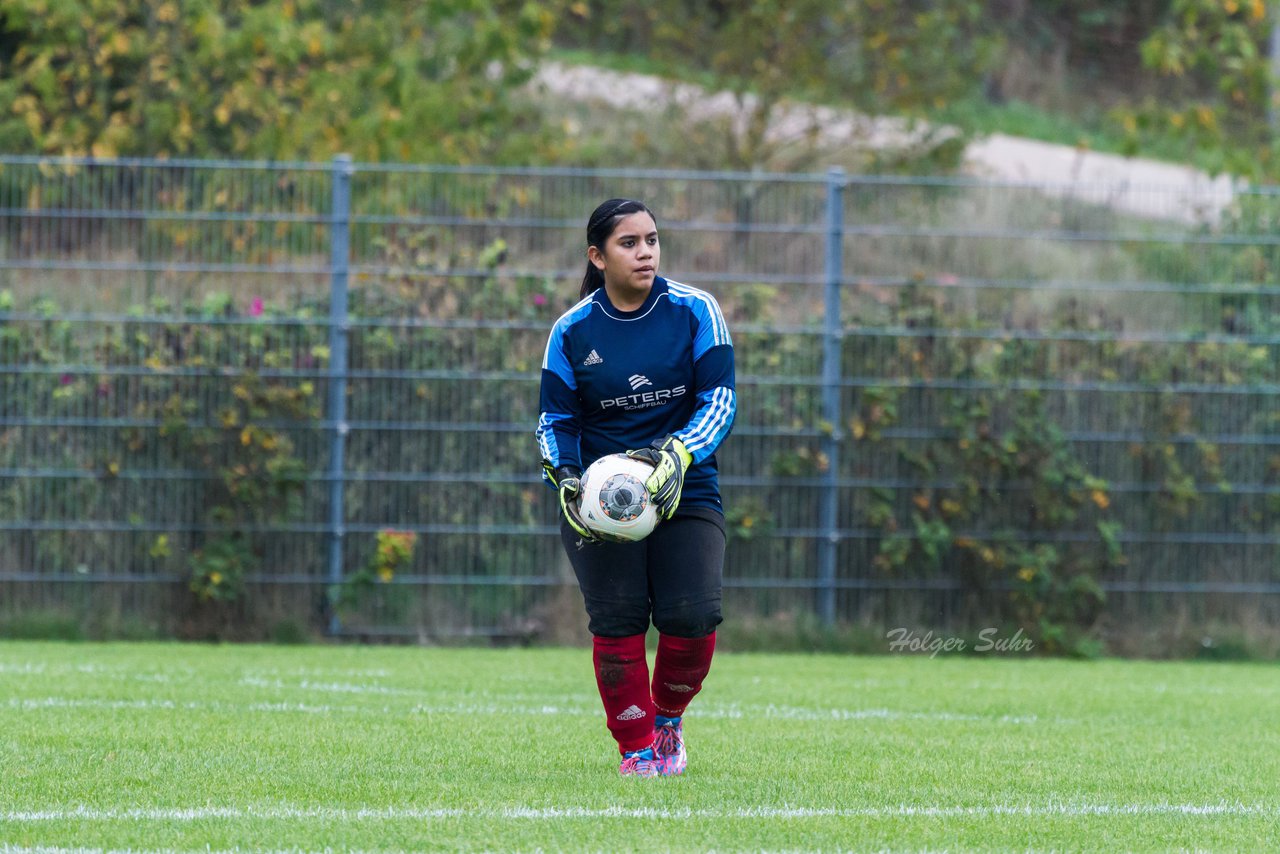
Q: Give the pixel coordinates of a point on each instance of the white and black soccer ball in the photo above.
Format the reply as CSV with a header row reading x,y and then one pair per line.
x,y
614,502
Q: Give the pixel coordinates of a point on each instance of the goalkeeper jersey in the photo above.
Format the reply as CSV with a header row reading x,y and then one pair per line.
x,y
618,380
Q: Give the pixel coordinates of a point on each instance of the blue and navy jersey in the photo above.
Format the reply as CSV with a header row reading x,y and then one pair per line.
x,y
618,380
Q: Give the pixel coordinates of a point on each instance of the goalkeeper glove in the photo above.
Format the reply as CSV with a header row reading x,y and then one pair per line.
x,y
670,460
568,483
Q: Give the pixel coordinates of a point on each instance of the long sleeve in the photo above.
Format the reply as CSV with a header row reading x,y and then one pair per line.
x,y
559,428
713,381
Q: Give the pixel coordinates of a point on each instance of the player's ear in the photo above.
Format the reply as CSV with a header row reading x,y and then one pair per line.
x,y
596,257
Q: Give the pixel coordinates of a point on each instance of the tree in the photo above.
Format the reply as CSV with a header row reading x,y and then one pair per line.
x,y
1212,53
878,55
281,79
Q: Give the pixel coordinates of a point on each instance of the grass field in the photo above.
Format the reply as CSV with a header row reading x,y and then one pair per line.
x,y
171,747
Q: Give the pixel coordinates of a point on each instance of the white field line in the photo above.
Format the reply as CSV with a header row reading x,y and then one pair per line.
x,y
40,668
332,687
381,814
709,712
51,849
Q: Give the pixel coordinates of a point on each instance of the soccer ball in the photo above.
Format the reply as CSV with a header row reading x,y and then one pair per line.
x,y
614,503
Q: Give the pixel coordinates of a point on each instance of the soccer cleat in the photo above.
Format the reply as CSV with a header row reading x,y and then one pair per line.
x,y
639,763
668,744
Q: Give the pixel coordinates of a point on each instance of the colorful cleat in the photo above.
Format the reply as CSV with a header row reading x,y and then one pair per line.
x,y
640,763
668,744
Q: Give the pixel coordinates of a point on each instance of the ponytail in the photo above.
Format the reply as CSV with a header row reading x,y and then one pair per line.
x,y
592,280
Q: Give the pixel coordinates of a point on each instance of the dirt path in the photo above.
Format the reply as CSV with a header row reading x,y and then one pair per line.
x,y
1147,188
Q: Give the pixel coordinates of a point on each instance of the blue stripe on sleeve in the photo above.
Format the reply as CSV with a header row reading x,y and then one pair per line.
x,y
711,423
555,359
559,430
712,330
547,439
718,402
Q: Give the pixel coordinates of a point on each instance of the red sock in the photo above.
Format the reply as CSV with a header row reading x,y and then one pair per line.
x,y
622,675
678,672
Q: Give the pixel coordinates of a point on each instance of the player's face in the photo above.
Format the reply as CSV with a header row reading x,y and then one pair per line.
x,y
630,257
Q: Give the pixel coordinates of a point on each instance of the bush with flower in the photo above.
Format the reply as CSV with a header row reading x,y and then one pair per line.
x,y
393,551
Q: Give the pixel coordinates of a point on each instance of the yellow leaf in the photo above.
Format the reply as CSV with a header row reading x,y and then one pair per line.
x,y
167,13
1100,498
246,436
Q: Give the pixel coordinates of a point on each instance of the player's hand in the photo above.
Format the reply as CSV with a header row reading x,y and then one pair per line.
x,y
568,481
670,460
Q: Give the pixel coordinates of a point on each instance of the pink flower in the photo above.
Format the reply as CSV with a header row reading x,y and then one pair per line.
x,y
67,379
539,299
255,309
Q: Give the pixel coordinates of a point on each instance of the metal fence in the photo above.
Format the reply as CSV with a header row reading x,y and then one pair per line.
x,y
232,370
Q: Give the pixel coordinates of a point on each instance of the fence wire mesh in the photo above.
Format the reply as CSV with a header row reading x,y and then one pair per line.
x,y
221,376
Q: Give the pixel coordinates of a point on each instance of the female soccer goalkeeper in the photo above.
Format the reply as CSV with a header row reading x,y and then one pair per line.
x,y
643,365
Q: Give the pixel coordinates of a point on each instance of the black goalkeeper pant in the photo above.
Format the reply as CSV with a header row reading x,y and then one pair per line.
x,y
672,577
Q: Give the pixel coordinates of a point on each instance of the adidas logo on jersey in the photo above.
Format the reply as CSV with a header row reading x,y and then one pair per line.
x,y
638,380
593,358
631,714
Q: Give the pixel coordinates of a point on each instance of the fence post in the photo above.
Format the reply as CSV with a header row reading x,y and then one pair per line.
x,y
832,341
339,329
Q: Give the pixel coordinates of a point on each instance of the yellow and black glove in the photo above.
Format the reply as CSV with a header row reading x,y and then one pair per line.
x,y
568,483
670,460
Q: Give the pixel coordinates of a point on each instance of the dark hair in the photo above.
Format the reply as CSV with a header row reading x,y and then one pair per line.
x,y
604,219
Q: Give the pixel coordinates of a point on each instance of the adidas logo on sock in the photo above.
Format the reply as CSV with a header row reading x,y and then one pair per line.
x,y
593,358
680,689
631,714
